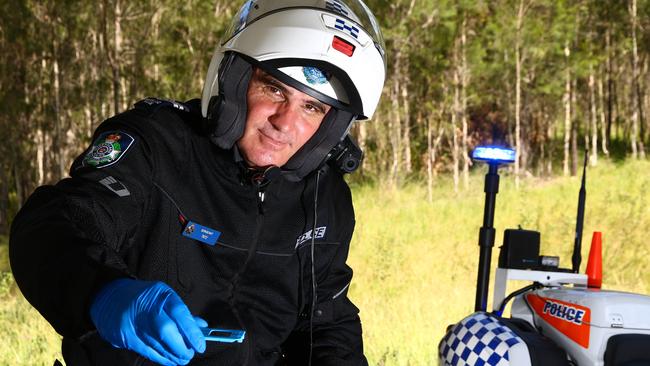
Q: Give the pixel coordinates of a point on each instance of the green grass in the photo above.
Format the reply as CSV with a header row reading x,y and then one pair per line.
x,y
415,261
25,337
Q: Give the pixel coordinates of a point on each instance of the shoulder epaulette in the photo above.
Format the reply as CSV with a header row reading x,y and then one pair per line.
x,y
151,105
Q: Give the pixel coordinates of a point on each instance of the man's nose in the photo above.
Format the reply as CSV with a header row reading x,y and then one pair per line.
x,y
283,117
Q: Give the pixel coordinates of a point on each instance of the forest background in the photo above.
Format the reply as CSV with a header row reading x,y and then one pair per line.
x,y
549,78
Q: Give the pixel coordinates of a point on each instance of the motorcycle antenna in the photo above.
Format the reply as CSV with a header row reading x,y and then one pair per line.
x,y
577,245
493,156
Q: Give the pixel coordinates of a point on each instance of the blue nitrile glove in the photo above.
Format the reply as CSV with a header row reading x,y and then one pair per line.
x,y
148,318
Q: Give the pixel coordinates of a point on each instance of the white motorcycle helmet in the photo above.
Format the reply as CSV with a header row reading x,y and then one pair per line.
x,y
331,50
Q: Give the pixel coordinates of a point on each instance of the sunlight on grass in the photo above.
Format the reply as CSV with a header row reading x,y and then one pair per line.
x,y
415,261
25,337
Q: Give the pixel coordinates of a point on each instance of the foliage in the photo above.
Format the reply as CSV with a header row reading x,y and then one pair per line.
x,y
4,254
66,66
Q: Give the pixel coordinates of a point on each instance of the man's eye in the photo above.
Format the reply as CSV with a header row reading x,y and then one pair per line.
x,y
313,108
270,89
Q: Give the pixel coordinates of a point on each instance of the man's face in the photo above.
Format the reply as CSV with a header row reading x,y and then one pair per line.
x,y
280,121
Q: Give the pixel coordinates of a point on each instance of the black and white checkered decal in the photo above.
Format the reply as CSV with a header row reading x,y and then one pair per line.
x,y
481,339
336,6
347,27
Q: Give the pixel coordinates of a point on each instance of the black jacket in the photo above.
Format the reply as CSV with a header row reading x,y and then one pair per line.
x,y
126,219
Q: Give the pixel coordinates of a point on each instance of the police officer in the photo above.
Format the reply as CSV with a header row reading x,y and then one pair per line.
x,y
227,212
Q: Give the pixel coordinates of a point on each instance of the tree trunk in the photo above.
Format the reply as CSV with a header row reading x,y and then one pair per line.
x,y
381,129
549,137
395,124
542,145
603,121
93,94
4,202
455,116
58,128
406,139
115,58
464,79
39,140
20,192
430,157
643,94
610,86
635,106
593,158
508,102
155,26
518,65
567,109
618,103
646,95
39,136
574,130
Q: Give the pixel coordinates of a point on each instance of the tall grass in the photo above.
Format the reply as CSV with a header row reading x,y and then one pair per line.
x,y
25,337
415,261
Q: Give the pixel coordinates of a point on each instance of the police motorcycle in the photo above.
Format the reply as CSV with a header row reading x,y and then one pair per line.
x,y
562,318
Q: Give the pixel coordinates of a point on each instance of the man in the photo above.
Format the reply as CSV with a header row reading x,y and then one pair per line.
x,y
236,217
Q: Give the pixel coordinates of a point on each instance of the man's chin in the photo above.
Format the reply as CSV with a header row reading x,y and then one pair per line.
x,y
264,161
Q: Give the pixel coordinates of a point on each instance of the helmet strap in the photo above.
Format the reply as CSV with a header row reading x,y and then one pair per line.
x,y
317,149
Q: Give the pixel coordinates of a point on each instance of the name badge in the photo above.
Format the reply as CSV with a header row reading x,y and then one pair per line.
x,y
201,233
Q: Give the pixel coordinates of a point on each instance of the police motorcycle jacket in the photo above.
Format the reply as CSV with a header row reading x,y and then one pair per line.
x,y
135,202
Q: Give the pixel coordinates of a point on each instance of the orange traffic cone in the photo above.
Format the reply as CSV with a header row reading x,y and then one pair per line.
x,y
595,263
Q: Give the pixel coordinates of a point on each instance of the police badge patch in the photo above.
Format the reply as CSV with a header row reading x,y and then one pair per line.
x,y
107,149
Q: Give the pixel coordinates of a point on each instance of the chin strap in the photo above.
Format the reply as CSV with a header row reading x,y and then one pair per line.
x,y
321,146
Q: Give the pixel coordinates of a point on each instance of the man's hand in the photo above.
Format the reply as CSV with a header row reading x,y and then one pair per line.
x,y
148,318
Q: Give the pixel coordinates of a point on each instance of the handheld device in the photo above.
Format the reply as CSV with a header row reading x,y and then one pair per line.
x,y
223,335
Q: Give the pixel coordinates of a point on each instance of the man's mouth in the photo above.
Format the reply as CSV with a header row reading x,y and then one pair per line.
x,y
272,142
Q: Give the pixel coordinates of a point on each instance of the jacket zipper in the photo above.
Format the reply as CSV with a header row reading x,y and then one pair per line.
x,y
259,221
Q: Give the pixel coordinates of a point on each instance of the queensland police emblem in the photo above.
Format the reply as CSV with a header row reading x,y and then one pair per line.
x,y
107,149
315,76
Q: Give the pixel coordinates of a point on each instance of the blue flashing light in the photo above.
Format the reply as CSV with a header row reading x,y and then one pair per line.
x,y
500,155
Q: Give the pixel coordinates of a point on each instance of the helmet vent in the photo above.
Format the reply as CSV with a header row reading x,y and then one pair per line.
x,y
343,46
